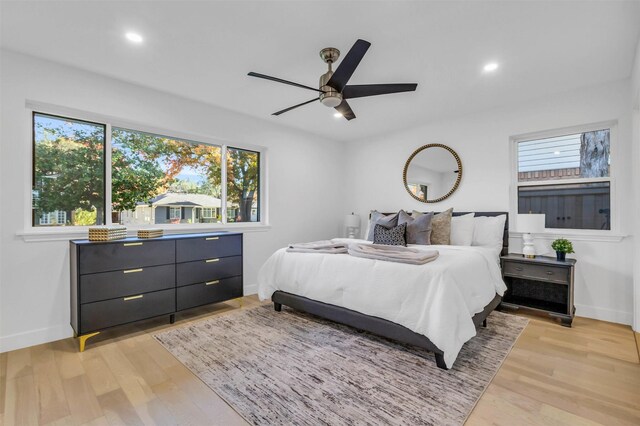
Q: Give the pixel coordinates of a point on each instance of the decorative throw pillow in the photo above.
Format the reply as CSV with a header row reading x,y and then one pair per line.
x,y
378,218
462,229
441,228
418,228
390,236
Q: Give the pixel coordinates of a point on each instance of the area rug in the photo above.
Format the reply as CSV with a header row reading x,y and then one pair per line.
x,y
292,368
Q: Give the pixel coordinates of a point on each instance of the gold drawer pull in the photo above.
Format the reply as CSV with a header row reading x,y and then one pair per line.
x,y
131,271
549,273
212,260
133,297
132,244
212,282
212,238
518,268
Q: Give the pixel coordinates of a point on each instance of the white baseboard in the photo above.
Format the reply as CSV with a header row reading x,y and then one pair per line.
x,y
34,337
604,314
250,289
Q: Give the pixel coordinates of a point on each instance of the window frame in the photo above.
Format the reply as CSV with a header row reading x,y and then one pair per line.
x,y
614,232
49,233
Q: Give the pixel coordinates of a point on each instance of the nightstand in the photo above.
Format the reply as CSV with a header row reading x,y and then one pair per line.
x,y
541,284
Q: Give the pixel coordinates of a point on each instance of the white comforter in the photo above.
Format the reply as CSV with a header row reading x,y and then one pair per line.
x,y
437,299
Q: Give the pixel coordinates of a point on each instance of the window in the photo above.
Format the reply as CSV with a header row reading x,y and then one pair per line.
x,y
156,172
567,177
155,179
243,182
68,171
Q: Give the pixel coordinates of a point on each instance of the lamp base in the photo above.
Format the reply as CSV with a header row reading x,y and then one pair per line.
x,y
528,250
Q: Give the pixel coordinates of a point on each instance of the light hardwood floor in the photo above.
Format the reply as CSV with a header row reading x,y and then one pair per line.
x,y
589,374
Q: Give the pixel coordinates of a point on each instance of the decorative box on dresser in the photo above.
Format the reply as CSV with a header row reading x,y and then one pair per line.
x,y
541,284
123,281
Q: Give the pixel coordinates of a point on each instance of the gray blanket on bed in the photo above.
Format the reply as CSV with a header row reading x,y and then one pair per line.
x,y
398,254
326,247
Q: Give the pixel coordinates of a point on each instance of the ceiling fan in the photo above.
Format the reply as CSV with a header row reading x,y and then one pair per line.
x,y
333,88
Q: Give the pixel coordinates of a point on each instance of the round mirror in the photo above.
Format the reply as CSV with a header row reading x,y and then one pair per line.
x,y
432,173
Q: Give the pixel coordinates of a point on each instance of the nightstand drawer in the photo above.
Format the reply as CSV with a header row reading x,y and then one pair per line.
x,y
538,272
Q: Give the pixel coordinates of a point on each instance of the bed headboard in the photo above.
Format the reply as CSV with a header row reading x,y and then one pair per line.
x,y
505,235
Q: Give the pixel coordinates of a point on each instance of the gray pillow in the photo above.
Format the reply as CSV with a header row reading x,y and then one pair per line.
x,y
418,228
390,237
378,218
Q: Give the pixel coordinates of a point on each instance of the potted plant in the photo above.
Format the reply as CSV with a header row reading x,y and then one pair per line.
x,y
562,247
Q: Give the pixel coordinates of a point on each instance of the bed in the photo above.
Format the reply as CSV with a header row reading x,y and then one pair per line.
x,y
436,306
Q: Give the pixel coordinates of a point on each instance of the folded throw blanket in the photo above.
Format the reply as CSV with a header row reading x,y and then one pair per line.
x,y
393,253
325,246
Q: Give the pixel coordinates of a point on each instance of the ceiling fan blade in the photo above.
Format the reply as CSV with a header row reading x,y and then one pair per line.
x,y
345,110
360,91
348,65
295,106
279,80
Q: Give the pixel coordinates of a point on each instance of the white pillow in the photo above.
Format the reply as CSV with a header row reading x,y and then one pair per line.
x,y
488,232
462,229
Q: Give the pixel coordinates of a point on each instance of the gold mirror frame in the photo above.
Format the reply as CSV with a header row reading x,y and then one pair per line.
x,y
419,150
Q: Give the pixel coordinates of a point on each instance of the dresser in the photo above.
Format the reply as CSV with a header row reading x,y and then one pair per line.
x,y
542,284
123,281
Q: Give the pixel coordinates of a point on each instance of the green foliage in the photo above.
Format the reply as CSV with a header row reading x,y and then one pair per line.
x,y
242,180
84,217
69,170
562,245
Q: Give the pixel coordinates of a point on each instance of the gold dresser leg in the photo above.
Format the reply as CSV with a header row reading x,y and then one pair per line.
x,y
239,299
84,338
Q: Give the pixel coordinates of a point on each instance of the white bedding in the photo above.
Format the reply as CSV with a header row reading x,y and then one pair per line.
x,y
437,299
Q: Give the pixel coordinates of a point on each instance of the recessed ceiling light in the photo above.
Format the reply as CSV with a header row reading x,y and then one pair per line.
x,y
556,152
491,66
133,37
337,115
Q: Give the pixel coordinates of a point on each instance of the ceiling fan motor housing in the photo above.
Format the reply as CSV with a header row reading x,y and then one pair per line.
x,y
331,97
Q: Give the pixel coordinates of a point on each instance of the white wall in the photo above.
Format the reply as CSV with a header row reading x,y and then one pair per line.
x,y
635,111
604,281
306,174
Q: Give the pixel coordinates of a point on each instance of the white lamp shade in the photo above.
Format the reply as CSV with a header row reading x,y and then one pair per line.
x,y
530,223
352,221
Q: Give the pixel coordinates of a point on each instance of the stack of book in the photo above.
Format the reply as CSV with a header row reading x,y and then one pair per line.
x,y
107,233
150,233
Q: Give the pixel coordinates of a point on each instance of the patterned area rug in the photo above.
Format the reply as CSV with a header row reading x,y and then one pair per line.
x,y
292,368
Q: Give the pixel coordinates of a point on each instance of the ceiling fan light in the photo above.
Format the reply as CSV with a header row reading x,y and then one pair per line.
x,y
331,101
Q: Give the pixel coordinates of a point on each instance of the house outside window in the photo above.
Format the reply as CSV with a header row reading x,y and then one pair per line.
x,y
208,213
567,177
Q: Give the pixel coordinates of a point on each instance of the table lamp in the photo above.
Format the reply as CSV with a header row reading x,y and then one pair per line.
x,y
352,225
529,224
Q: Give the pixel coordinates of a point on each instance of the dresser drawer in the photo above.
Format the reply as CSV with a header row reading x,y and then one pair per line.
x,y
125,255
537,272
208,270
210,292
109,285
190,249
99,315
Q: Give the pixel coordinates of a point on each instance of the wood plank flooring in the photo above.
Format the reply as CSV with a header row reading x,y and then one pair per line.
x,y
586,375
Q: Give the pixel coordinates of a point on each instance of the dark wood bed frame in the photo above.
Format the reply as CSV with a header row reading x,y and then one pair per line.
x,y
381,326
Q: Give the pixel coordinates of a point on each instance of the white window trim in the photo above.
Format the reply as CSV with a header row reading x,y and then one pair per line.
x,y
31,233
613,234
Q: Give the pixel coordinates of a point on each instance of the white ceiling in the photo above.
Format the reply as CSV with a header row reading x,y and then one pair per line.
x,y
203,50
